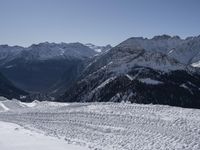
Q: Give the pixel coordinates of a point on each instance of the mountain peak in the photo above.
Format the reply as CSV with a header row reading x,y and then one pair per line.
x,y
162,37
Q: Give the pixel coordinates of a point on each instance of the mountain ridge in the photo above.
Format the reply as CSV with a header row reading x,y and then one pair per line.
x,y
141,72
41,67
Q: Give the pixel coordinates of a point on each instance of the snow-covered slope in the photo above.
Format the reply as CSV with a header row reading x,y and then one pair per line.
x,y
101,126
7,53
99,49
126,66
45,51
163,43
186,51
16,137
15,105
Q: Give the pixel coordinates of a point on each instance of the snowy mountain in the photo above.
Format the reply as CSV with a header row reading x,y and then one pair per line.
x,y
44,67
99,49
185,51
163,43
139,70
8,53
189,52
46,51
158,70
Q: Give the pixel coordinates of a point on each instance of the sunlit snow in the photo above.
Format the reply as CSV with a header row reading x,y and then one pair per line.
x,y
102,126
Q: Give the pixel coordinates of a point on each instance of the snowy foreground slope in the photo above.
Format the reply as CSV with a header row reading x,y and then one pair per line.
x,y
15,137
108,126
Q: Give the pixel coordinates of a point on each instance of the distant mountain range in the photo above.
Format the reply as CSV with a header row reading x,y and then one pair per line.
x,y
161,70
46,68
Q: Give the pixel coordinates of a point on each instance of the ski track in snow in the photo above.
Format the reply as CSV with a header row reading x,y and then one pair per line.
x,y
113,126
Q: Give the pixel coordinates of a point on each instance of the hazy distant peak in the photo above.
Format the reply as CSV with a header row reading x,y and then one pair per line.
x,y
98,49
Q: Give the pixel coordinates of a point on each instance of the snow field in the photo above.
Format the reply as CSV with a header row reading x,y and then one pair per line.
x,y
114,126
17,138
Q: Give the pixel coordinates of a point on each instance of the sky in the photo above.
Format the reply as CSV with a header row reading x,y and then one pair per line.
x,y
101,22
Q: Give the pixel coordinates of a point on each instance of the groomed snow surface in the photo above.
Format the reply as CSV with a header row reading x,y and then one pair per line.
x,y
97,126
15,137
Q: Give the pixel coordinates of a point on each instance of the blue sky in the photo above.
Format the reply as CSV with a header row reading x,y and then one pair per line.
x,y
101,22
